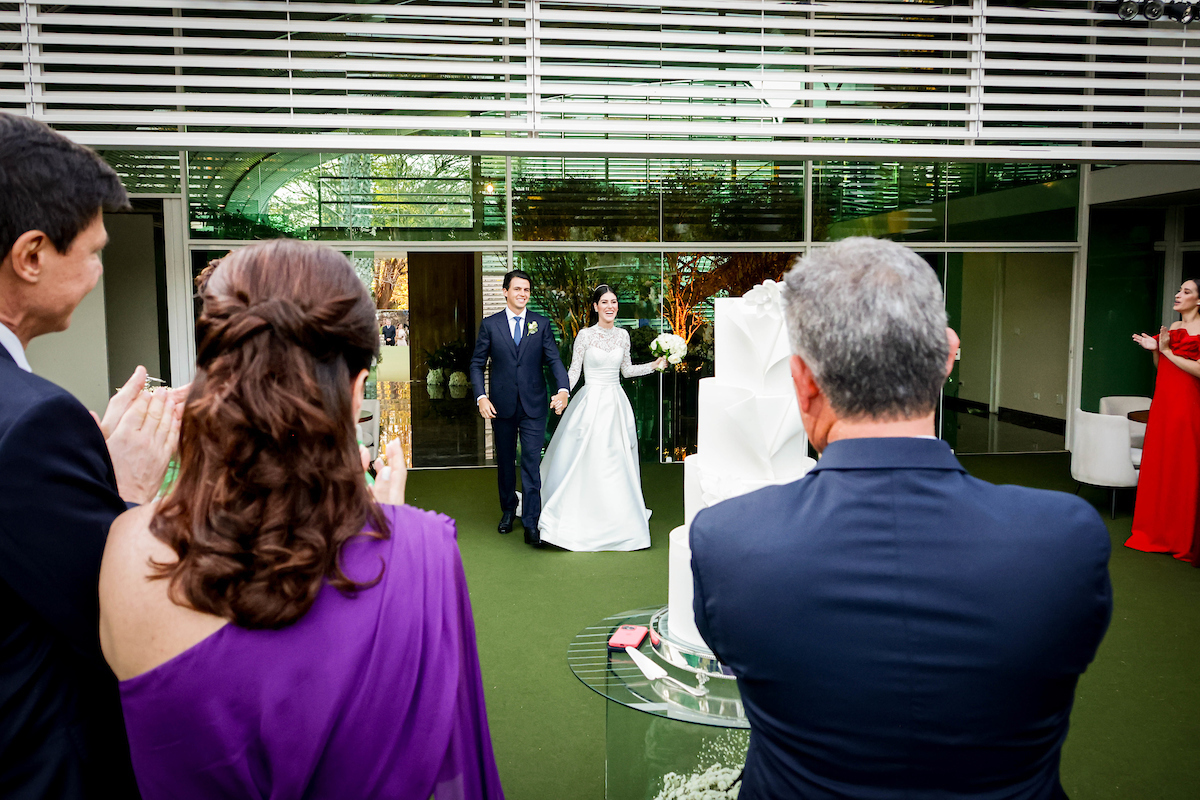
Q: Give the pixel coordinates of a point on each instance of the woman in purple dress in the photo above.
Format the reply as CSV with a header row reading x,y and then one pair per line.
x,y
277,633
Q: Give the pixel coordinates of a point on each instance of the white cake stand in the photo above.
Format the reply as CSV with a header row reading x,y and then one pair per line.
x,y
685,655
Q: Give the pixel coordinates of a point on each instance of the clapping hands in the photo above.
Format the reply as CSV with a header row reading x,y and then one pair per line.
x,y
141,430
1164,340
1163,345
1146,341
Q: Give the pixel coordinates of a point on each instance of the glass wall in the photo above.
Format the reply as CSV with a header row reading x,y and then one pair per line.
x,y
945,202
432,236
346,196
1009,388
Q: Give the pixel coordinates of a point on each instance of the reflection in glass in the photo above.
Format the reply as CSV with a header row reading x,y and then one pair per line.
x,y
893,200
935,202
395,415
646,200
1008,390
346,196
691,281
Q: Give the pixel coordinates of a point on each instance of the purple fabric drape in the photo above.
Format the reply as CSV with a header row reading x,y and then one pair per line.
x,y
375,695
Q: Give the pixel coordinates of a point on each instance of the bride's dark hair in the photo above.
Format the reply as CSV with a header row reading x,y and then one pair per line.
x,y
597,294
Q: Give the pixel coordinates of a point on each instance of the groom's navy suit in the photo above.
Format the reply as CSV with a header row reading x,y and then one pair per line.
x,y
61,730
518,391
900,629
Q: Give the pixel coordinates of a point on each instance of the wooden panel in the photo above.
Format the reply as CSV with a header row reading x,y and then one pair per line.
x,y
441,302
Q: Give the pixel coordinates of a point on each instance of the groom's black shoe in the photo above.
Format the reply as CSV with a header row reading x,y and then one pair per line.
x,y
506,522
533,536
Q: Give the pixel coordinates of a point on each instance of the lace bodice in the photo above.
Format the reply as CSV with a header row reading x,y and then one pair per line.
x,y
602,354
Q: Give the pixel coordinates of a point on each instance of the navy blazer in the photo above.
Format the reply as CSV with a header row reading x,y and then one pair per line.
x,y
900,629
61,730
517,379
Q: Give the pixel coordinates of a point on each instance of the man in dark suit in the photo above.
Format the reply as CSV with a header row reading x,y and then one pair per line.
x,y
898,628
389,334
63,479
519,344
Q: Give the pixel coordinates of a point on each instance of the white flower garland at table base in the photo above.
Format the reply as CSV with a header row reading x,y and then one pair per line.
x,y
749,433
714,783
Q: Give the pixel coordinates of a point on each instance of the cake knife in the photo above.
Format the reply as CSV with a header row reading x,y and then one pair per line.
x,y
654,672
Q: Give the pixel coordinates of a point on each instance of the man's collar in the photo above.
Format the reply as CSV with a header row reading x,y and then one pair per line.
x,y
892,453
510,316
10,345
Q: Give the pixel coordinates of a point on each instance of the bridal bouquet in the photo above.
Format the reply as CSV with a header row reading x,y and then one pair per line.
x,y
669,345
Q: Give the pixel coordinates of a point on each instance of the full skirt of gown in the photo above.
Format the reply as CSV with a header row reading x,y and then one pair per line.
x,y
1167,513
591,476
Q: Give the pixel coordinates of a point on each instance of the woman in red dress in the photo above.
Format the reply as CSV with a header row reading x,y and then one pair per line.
x,y
1166,518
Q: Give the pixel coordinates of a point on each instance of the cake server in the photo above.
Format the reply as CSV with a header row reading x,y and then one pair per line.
x,y
654,672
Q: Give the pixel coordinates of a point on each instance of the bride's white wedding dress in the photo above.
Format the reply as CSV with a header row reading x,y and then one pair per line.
x,y
591,479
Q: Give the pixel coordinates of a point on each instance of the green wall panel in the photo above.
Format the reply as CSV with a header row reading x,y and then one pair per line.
x,y
1124,291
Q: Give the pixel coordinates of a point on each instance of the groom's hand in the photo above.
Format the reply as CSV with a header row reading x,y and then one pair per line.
x,y
486,409
559,402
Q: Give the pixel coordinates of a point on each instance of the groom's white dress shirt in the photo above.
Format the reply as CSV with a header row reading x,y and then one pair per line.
x,y
13,345
512,330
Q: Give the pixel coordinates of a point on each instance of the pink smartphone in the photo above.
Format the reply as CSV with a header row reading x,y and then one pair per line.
x,y
627,636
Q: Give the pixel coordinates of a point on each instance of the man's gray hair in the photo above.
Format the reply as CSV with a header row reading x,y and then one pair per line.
x,y
867,316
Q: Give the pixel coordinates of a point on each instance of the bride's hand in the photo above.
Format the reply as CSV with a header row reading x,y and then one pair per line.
x,y
1145,341
660,363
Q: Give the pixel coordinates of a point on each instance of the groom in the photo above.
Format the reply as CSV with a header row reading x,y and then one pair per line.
x,y
519,343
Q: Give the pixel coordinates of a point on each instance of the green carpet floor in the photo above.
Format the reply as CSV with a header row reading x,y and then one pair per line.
x,y
1135,731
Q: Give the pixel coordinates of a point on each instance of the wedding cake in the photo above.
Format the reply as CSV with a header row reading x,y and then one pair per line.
x,y
749,433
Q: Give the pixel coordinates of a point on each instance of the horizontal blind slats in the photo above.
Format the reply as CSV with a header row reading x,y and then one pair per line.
x,y
724,70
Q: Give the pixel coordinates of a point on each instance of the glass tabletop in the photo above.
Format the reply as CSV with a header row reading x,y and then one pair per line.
x,y
613,675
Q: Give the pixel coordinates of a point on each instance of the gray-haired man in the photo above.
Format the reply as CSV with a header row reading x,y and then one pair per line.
x,y
898,628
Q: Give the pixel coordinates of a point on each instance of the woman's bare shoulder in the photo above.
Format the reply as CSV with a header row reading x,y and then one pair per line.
x,y
140,626
1177,324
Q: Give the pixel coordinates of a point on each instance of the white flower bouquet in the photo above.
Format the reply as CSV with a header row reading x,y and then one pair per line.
x,y
458,379
669,345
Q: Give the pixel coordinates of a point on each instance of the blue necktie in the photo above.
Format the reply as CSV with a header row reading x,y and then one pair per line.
x,y
517,332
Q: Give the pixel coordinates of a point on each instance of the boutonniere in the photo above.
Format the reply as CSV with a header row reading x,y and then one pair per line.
x,y
532,329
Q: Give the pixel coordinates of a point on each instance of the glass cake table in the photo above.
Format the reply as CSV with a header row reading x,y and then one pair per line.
x,y
661,733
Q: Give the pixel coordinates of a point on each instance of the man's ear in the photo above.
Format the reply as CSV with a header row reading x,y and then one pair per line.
x,y
806,387
25,256
952,338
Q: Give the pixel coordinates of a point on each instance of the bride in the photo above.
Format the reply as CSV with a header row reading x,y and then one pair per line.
x,y
591,482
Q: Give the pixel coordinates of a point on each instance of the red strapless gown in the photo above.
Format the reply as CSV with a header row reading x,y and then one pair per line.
x,y
1168,493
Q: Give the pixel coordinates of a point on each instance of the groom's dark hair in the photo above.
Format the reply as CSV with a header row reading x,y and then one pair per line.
x,y
517,273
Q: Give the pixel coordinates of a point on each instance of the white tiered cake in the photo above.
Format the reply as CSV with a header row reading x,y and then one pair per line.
x,y
749,433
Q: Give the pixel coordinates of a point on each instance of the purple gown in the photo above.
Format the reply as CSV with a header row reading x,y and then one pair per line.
x,y
378,695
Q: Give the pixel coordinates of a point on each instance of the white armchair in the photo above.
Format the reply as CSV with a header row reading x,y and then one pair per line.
x,y
1121,404
1102,454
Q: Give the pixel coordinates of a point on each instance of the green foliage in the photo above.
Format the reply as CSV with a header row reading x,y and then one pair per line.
x,y
450,357
639,344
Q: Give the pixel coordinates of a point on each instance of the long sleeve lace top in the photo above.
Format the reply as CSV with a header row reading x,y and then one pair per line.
x,y
608,340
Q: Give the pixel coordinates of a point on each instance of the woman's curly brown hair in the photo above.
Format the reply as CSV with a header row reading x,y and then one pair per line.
x,y
271,485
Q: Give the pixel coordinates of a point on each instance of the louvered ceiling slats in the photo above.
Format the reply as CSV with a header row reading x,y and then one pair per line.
x,y
955,79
